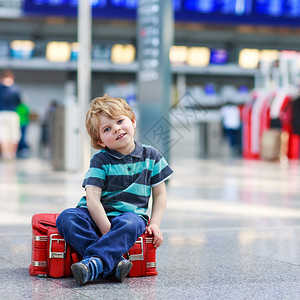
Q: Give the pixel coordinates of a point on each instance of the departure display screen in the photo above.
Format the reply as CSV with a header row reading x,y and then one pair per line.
x,y
218,56
257,12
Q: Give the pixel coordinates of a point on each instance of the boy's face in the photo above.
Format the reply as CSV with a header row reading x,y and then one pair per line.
x,y
117,134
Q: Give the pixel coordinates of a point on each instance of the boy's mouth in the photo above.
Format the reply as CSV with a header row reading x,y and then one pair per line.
x,y
120,136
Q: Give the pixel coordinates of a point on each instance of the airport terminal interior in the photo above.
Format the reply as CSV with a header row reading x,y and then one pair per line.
x,y
232,224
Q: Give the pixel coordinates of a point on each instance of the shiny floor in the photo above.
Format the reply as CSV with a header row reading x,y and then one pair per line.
x,y
231,229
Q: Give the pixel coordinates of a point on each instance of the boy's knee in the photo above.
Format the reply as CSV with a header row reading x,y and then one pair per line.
x,y
132,222
65,218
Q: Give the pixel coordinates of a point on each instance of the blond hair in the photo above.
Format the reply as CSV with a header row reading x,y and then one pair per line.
x,y
108,106
7,74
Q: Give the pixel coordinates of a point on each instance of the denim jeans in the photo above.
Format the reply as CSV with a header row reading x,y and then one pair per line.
x,y
80,231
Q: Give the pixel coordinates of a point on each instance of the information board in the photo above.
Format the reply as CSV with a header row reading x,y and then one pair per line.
x,y
269,12
100,8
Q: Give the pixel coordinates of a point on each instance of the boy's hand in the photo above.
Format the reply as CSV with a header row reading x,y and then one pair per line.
x,y
154,230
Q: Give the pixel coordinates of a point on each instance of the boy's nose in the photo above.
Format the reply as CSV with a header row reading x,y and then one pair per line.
x,y
116,128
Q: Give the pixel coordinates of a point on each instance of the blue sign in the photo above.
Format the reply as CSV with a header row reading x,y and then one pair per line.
x,y
100,8
268,12
218,56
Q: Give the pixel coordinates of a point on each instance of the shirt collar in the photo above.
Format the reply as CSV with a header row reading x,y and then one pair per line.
x,y
137,152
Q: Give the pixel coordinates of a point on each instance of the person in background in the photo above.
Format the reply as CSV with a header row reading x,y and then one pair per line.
x,y
46,129
10,133
231,120
24,112
296,112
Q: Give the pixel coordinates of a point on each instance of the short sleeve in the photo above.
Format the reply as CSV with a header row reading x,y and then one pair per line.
x,y
161,170
96,175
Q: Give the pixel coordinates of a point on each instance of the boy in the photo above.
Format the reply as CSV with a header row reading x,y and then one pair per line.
x,y
118,186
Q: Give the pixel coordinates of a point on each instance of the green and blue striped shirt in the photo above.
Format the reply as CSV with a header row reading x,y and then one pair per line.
x,y
126,180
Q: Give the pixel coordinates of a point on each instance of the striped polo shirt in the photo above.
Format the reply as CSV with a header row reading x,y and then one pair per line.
x,y
126,180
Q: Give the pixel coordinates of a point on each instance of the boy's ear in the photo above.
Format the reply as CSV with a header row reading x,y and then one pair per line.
x,y
133,123
101,144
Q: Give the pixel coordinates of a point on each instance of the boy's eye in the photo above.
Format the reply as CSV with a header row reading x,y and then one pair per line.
x,y
120,121
106,129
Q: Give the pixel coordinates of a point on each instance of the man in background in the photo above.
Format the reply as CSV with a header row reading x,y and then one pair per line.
x,y
231,120
10,98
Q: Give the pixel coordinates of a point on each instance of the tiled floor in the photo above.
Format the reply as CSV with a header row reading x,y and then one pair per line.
x,y
231,229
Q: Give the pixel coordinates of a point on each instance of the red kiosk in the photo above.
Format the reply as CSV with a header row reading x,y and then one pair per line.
x,y
265,105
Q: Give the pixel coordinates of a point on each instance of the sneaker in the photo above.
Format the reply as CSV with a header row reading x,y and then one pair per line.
x,y
122,269
87,270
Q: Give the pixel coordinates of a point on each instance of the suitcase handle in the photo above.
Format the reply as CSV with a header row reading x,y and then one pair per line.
x,y
135,257
56,254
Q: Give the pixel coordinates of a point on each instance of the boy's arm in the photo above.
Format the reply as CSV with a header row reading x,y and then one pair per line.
x,y
96,209
159,196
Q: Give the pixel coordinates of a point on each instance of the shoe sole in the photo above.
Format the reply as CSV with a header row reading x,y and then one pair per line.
x,y
79,274
125,271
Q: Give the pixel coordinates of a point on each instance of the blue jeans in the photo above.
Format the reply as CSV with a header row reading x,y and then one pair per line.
x,y
80,231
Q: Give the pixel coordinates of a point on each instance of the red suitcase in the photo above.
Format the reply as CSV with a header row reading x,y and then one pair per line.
x,y
143,257
50,254
53,256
